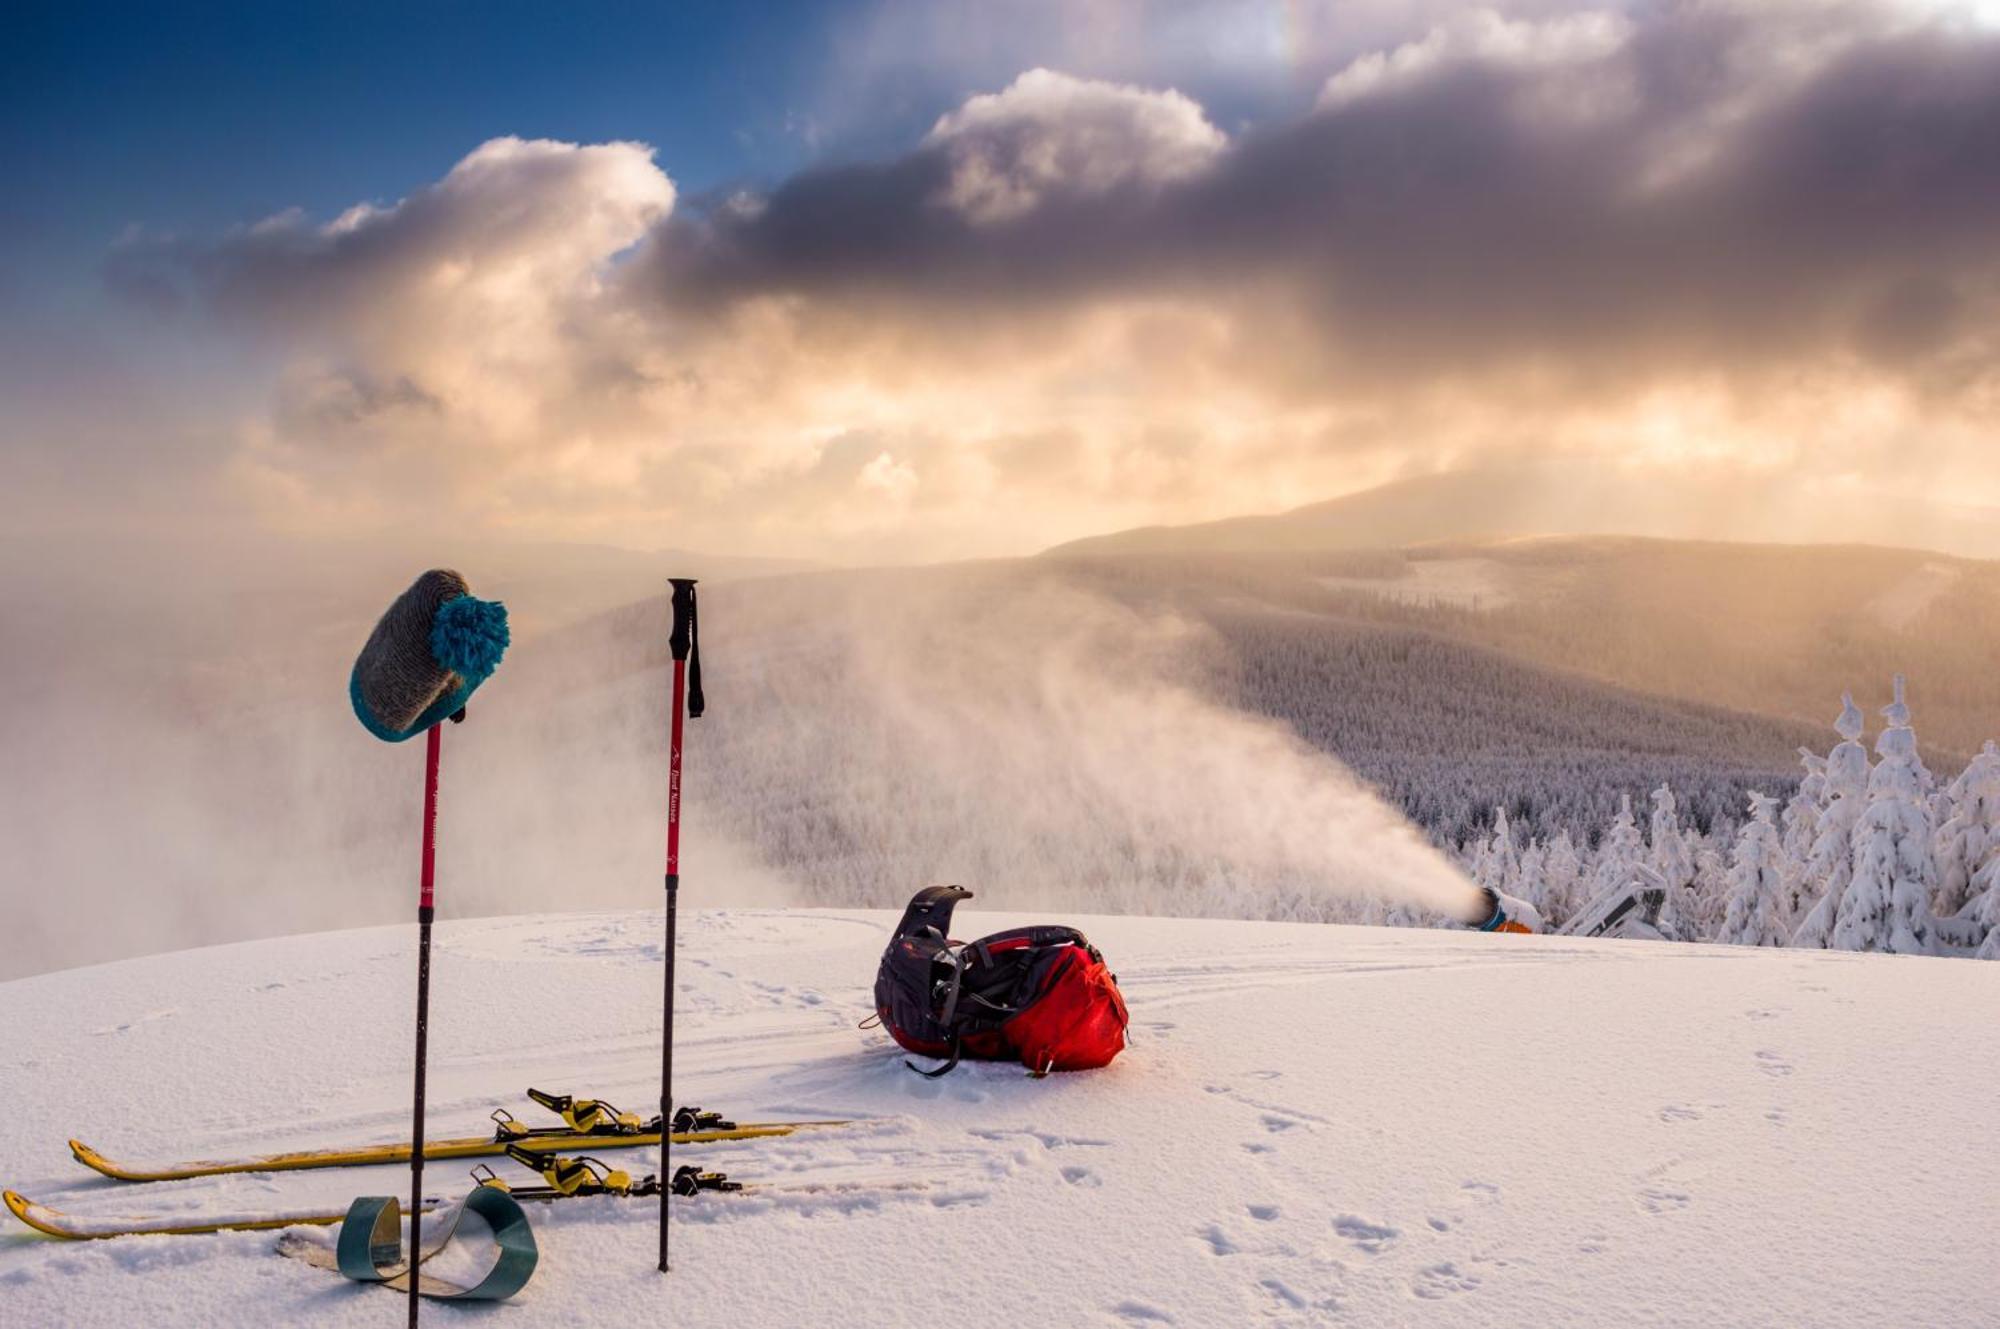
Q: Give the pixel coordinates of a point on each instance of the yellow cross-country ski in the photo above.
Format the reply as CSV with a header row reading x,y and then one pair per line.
x,y
78,1227
585,1121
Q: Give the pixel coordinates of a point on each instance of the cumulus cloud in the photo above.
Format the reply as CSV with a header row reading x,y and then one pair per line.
x,y
1768,234
1483,37
1050,133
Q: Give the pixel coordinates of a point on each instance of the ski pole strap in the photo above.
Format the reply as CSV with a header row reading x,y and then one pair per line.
x,y
685,643
370,1247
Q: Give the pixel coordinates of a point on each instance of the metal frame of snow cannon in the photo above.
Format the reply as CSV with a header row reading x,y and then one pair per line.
x,y
684,645
1629,910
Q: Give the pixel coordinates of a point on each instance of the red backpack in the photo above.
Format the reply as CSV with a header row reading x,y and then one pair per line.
x,y
1042,994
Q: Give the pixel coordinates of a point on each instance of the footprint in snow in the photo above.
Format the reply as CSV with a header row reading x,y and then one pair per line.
x,y
1438,1281
1264,1213
1675,1112
1371,1237
1081,1176
1773,1063
1218,1241
1663,1200
1138,1312
136,1021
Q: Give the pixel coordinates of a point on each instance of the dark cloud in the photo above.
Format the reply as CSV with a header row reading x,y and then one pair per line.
x,y
1714,189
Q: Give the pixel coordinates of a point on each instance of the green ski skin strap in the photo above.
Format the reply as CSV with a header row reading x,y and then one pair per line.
x,y
370,1247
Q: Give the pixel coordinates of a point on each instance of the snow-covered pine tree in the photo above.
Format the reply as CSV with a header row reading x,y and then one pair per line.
x,y
1985,910
1711,881
1800,824
1500,866
1831,862
1887,906
1531,880
1562,868
1755,916
1673,858
1969,839
1619,855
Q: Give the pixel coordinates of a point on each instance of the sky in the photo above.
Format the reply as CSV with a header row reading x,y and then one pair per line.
x,y
894,281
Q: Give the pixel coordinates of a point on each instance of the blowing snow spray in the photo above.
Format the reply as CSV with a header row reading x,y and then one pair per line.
x,y
425,658
685,647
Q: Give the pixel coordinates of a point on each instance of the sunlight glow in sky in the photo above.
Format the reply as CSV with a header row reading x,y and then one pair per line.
x,y
896,281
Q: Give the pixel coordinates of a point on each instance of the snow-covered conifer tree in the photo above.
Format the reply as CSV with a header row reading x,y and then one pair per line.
x,y
1620,854
1562,869
1831,862
1970,837
1531,879
1985,909
1499,866
1755,916
1799,825
1673,858
1887,906
1711,882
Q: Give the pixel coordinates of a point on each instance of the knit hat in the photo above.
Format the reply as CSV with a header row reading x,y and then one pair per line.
x,y
431,650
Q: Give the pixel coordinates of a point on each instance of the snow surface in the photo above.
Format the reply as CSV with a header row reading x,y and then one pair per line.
x,y
1313,1125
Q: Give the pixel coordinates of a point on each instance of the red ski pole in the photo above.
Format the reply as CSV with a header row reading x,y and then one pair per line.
x,y
425,658
426,910
687,693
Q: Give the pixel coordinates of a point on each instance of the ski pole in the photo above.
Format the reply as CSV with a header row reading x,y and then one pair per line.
x,y
426,911
425,658
687,688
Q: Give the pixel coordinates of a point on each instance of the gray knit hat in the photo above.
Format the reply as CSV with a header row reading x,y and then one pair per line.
x,y
434,646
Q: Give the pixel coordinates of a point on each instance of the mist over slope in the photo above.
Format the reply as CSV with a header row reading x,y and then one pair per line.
x,y
1165,734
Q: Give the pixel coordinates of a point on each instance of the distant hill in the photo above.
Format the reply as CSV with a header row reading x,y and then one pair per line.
x,y
1573,498
1771,630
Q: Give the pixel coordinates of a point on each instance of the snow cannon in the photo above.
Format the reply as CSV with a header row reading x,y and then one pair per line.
x,y
1504,913
426,657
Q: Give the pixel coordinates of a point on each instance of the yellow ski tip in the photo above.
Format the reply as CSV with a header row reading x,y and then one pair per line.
x,y
97,1162
19,1205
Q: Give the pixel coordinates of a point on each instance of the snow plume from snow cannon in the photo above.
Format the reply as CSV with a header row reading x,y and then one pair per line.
x,y
1041,741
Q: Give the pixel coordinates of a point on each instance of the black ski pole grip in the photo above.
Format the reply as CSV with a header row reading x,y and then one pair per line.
x,y
685,642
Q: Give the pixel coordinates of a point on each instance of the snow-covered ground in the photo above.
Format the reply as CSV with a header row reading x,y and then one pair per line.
x,y
1313,1125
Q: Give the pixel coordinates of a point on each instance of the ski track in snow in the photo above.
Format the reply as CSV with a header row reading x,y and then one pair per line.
x,y
1313,1125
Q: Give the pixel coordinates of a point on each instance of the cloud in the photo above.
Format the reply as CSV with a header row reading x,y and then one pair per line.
x,y
1764,234
1483,37
1048,134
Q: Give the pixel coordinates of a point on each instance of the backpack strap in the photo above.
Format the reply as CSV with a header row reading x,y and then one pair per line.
x,y
1045,934
946,1069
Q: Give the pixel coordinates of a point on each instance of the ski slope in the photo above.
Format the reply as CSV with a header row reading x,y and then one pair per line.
x,y
1313,1125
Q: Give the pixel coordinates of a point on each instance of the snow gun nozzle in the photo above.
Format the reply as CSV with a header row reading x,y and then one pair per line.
x,y
1493,914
